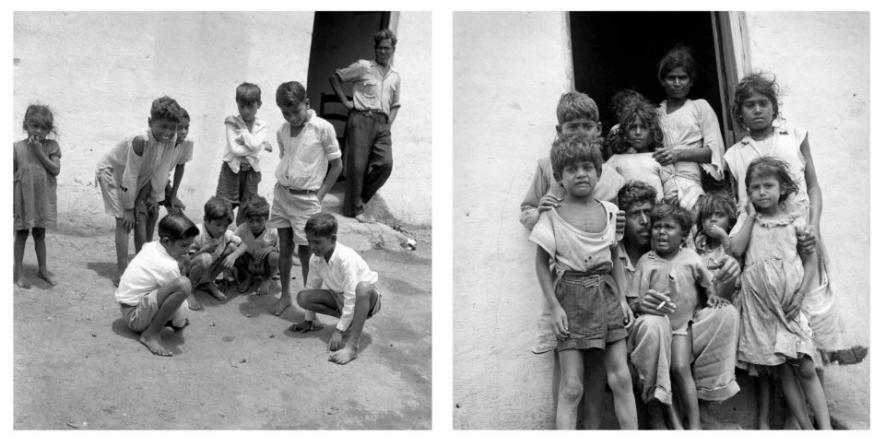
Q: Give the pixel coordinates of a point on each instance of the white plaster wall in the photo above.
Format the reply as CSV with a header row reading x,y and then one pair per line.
x,y
509,71
822,62
407,191
100,71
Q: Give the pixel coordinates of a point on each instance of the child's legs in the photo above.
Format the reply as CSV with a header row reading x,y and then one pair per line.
x,y
304,258
571,389
618,373
814,392
121,245
287,247
763,400
169,299
21,237
151,223
366,297
271,264
793,395
248,188
199,269
594,387
318,301
680,373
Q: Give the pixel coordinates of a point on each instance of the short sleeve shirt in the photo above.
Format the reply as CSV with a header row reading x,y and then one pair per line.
x,y
306,156
372,88
151,268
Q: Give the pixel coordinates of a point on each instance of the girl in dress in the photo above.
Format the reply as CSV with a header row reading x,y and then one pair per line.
x,y
634,145
36,162
692,139
756,103
775,336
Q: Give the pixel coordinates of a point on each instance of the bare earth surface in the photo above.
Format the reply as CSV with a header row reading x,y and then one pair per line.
x,y
77,366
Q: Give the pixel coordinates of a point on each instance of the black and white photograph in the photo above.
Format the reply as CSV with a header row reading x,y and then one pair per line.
x,y
222,220
661,220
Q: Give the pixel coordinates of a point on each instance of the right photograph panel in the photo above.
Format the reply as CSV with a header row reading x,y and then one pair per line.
x,y
661,227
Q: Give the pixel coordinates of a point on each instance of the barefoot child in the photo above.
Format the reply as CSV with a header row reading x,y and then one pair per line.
x,y
310,162
756,104
775,334
588,310
152,292
260,261
36,163
213,251
246,138
340,284
181,154
679,274
133,165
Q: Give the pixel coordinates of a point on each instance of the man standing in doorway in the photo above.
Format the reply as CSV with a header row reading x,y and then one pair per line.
x,y
368,153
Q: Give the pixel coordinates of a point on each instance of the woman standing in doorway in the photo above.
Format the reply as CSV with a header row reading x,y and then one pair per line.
x,y
692,139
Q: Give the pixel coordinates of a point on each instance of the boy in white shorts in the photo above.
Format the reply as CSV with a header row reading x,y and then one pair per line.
x,y
152,292
309,165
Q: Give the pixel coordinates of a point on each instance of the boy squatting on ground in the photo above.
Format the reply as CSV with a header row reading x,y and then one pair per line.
x,y
152,291
260,261
214,250
143,160
339,284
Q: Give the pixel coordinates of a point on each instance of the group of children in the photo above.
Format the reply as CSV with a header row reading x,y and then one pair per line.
x,y
156,289
788,327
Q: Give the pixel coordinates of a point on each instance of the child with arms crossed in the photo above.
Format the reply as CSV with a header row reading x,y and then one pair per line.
x,y
260,261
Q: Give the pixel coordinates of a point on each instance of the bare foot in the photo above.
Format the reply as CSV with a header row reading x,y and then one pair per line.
x,y
22,283
305,327
244,285
280,306
193,303
47,276
264,287
213,291
363,218
343,356
152,342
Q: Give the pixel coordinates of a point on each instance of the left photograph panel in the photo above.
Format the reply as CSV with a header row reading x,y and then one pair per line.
x,y
222,220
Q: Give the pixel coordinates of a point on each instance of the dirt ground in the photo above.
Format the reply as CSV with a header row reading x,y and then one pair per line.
x,y
77,366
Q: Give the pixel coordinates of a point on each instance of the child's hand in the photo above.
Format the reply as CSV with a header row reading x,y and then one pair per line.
x,y
657,303
629,317
239,139
267,146
129,219
727,270
548,202
751,210
229,261
806,241
717,302
560,322
714,231
665,156
335,343
34,142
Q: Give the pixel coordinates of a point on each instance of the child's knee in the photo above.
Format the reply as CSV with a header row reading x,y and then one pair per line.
x,y
571,389
619,378
39,234
806,369
364,290
301,298
183,285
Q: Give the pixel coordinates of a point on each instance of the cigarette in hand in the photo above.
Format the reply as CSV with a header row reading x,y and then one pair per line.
x,y
661,305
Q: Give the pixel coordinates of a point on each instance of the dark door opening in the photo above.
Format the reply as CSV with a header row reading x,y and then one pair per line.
x,y
616,50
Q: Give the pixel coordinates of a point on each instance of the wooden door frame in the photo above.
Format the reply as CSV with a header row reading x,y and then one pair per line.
x,y
732,45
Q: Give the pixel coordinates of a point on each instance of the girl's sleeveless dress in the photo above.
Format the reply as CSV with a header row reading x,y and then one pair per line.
x,y
772,275
785,144
34,196
692,126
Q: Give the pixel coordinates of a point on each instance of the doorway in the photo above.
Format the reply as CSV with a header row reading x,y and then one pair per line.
x,y
612,51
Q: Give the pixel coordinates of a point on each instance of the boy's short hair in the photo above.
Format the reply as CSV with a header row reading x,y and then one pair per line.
x,y
256,207
321,225
166,109
576,105
385,34
217,208
571,149
634,192
667,208
716,201
184,116
177,227
248,93
290,94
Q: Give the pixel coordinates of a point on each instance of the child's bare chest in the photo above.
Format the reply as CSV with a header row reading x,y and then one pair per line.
x,y
588,218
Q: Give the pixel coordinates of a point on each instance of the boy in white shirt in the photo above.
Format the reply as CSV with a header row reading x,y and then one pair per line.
x,y
339,284
152,292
